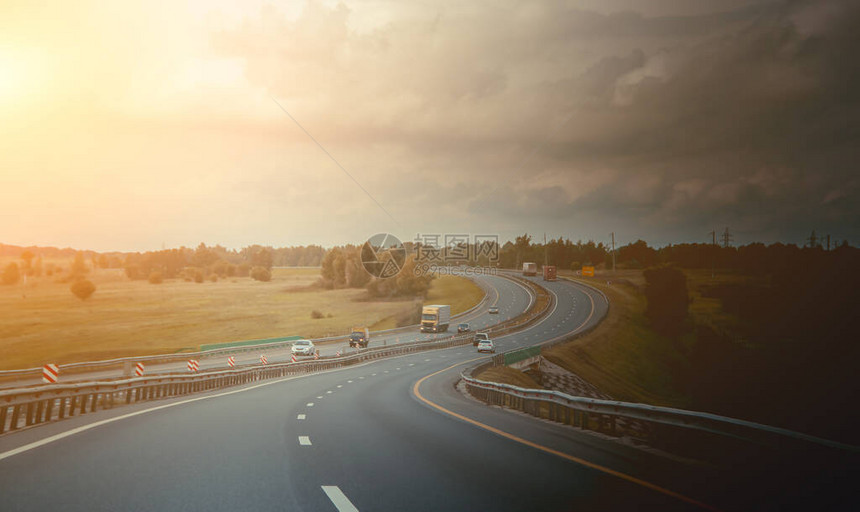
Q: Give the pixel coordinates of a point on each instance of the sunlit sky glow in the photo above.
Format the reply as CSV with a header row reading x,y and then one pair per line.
x,y
137,125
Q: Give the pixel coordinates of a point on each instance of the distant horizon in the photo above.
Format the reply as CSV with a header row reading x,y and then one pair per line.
x,y
821,237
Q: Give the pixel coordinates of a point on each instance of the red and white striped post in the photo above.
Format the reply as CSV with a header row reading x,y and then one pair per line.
x,y
231,362
193,365
50,374
263,359
138,369
317,354
294,359
337,354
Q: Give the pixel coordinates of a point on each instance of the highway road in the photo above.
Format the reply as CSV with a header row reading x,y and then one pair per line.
x,y
392,434
516,300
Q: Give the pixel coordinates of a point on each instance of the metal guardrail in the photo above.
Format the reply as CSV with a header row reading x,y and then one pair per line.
x,y
202,354
603,415
657,426
25,407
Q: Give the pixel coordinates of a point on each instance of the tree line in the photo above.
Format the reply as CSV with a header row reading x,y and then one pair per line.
x,y
753,258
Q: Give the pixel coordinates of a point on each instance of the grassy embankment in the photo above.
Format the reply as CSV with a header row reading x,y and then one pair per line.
x,y
41,321
624,357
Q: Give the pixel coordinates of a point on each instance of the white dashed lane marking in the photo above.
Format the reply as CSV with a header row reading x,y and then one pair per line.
x,y
301,417
304,440
310,404
338,499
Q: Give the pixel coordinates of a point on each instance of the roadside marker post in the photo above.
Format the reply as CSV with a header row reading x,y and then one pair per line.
x,y
294,359
50,374
231,362
138,369
193,365
263,359
317,354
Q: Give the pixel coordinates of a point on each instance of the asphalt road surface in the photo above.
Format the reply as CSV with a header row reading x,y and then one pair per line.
x,y
391,434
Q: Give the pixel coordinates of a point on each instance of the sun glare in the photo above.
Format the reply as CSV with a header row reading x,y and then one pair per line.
x,y
16,77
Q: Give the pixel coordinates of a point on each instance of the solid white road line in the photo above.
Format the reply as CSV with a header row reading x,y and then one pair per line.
x,y
338,498
304,440
301,417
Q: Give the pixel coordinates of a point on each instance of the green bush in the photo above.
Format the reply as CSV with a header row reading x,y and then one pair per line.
x,y
261,274
83,288
11,274
316,315
156,277
666,293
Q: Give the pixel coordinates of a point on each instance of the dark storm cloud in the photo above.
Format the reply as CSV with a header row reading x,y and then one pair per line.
x,y
660,127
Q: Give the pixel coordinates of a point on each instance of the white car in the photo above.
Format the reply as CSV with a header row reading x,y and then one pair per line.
x,y
304,348
486,346
494,310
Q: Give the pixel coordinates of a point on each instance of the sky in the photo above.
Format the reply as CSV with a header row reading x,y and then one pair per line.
x,y
129,126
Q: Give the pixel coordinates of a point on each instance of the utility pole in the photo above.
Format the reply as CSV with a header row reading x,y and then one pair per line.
x,y
713,252
727,238
828,242
813,240
545,257
613,252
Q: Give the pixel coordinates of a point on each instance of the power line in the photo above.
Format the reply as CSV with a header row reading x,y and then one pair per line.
x,y
336,162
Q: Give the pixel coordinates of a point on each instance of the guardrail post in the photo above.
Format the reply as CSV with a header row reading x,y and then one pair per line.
x,y
40,411
73,403
16,413
62,408
95,399
3,411
30,413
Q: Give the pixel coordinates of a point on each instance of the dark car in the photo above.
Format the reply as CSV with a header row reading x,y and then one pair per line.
x,y
463,328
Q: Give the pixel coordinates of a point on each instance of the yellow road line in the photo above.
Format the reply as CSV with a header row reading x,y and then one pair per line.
x,y
603,469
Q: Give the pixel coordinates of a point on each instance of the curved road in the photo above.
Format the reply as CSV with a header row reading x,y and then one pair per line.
x,y
392,434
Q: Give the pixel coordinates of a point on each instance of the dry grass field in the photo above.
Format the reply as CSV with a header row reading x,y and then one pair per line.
x,y
458,292
41,321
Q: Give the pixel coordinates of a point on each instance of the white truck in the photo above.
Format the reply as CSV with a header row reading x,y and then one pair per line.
x,y
529,269
435,318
